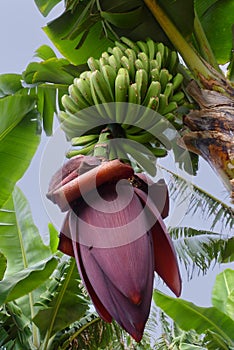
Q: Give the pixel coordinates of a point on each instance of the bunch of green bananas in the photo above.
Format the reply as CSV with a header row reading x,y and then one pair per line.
x,y
119,85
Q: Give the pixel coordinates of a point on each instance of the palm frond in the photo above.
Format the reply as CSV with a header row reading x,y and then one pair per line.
x,y
15,332
210,207
198,250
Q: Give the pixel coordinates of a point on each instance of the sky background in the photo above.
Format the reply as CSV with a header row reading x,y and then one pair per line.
x,y
21,34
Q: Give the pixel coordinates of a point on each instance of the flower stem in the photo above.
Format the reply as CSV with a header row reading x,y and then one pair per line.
x,y
191,58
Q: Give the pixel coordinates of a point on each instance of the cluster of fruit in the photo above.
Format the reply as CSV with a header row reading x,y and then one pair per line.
x,y
134,85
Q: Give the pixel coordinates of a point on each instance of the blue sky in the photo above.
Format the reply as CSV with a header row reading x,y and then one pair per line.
x,y
21,35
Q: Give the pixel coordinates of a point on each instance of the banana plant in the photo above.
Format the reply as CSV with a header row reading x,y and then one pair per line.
x,y
213,325
89,28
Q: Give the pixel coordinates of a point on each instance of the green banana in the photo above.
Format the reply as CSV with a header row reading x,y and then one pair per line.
x,y
162,103
145,60
77,97
84,139
154,74
154,90
139,64
164,78
159,60
69,104
151,48
178,97
154,65
93,63
130,43
171,107
122,82
173,63
133,94
168,91
85,150
129,60
114,62
101,92
158,152
141,79
122,46
109,74
177,81
84,86
143,47
142,137
106,56
117,53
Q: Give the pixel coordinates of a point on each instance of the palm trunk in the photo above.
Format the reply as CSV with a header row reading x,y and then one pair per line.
x,y
211,132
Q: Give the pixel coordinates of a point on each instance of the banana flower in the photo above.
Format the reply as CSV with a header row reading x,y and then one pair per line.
x,y
114,229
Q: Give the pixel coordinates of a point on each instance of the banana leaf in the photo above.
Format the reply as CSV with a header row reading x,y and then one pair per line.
x,y
18,138
189,316
29,261
223,292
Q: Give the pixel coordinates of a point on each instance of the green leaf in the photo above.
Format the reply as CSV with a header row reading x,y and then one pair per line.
x,y
10,84
66,305
47,107
54,238
23,282
45,52
217,18
52,70
21,242
18,141
3,265
45,6
184,346
223,292
15,331
95,43
124,20
12,110
189,316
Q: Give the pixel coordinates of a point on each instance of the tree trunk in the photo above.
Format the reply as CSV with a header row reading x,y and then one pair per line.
x,y
211,132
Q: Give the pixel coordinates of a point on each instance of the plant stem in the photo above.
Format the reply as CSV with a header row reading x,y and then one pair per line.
x,y
58,303
191,58
203,43
36,341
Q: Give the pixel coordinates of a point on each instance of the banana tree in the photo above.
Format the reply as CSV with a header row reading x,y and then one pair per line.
x,y
201,33
125,52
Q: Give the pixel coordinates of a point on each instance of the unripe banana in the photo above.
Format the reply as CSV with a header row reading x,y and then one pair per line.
x,y
143,47
154,90
142,73
93,64
164,78
121,93
130,43
69,104
114,62
177,81
88,149
133,94
77,97
84,86
142,137
145,60
141,80
84,139
151,48
178,97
